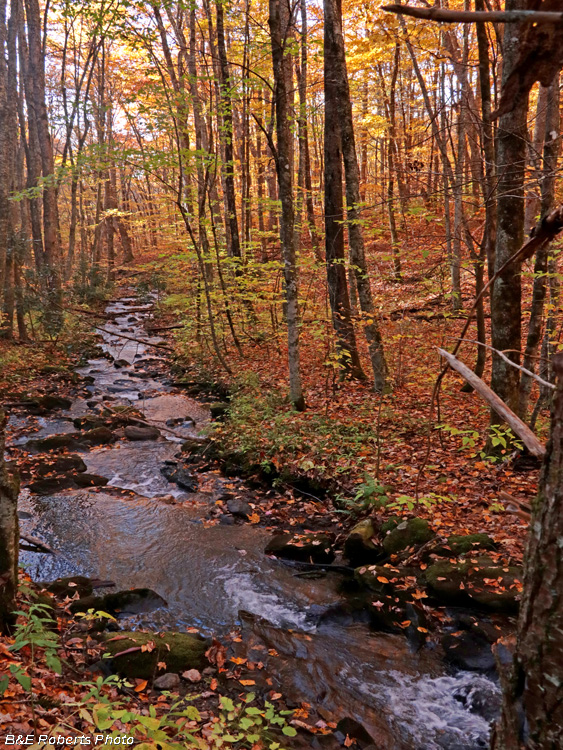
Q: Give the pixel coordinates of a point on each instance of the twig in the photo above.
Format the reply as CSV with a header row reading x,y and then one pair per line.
x,y
503,356
41,546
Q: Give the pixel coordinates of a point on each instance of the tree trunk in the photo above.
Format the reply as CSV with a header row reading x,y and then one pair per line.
x,y
334,46
552,145
334,207
506,324
279,21
227,134
9,533
51,245
532,712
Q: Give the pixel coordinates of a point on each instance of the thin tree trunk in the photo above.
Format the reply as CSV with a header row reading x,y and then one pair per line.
x,y
227,134
551,149
9,529
279,21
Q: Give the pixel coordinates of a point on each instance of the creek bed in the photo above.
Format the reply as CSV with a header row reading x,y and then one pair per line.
x,y
209,574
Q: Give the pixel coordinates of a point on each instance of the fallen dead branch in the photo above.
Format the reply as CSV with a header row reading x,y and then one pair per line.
x,y
36,545
521,429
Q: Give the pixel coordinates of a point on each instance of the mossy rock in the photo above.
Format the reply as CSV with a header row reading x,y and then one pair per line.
x,y
131,602
478,582
360,547
52,369
459,544
218,409
409,533
179,651
314,547
390,524
69,586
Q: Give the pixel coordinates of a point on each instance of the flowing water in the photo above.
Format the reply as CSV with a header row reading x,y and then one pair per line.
x,y
208,574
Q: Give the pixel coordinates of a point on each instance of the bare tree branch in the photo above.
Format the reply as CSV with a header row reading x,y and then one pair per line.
x,y
442,15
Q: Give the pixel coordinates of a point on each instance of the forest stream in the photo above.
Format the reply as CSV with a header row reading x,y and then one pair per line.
x,y
217,577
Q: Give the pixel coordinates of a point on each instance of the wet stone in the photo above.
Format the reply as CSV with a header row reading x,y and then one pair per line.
x,y
51,485
62,464
131,602
302,547
468,651
239,508
138,432
98,436
89,480
180,476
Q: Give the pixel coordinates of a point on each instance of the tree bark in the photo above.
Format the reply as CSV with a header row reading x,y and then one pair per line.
x,y
506,324
9,534
334,206
552,147
279,21
334,45
227,134
532,712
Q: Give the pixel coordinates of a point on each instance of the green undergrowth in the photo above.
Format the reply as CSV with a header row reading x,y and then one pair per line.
x,y
37,673
261,432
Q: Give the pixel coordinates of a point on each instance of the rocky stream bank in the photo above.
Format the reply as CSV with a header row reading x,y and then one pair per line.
x,y
384,630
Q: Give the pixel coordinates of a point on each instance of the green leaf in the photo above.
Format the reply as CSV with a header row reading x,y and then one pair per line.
x,y
4,681
149,722
289,731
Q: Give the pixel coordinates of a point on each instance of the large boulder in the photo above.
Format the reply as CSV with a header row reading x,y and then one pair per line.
x,y
361,546
411,533
178,651
313,547
479,582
